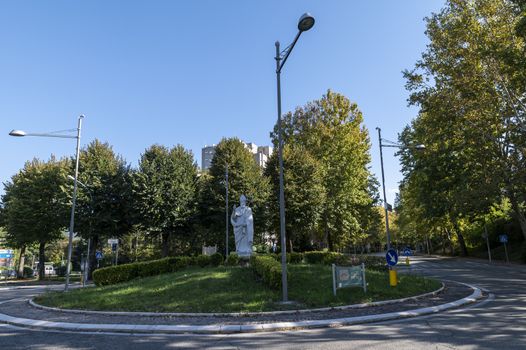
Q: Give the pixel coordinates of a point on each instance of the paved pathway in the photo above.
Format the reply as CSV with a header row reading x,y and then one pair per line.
x,y
499,322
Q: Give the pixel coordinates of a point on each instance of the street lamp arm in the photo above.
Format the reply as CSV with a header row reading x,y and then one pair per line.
x,y
284,55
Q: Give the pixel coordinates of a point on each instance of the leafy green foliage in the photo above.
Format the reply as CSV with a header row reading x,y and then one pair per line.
x,y
268,269
331,131
232,260
35,205
165,194
470,86
216,259
304,193
244,177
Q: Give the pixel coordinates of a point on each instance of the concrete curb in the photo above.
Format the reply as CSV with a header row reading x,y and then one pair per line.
x,y
239,328
233,314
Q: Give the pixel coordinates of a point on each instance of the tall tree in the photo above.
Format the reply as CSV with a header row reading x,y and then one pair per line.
x,y
36,204
470,86
244,177
166,195
332,132
304,193
104,206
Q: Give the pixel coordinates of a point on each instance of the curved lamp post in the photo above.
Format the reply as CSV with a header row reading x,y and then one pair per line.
x,y
87,260
20,133
419,147
305,23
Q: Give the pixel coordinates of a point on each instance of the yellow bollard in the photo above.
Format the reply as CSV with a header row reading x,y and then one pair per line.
x,y
407,260
392,278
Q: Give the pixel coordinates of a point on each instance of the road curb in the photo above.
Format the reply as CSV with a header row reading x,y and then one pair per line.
x,y
234,314
239,328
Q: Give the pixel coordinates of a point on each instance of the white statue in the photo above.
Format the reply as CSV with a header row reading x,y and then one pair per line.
x,y
243,223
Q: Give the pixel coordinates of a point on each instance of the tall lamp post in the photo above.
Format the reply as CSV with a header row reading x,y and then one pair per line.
x,y
394,145
20,133
305,23
86,261
226,210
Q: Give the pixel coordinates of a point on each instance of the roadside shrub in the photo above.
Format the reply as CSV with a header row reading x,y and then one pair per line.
x,y
292,258
28,272
203,260
216,259
268,269
335,258
181,262
232,260
155,267
314,257
115,274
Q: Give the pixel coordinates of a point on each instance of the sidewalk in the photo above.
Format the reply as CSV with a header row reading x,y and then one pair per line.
x,y
21,313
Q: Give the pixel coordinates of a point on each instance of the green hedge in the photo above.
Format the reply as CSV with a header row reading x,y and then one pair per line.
x,y
315,257
232,260
115,274
126,272
268,269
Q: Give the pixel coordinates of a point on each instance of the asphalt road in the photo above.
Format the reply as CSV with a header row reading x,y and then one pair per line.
x,y
497,322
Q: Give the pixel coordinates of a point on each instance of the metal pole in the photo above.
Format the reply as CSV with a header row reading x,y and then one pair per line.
x,y
506,251
74,200
487,242
281,191
86,263
226,211
385,197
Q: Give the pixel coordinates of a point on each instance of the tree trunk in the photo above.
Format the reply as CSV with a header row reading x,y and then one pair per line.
x,y
21,262
42,261
165,237
461,242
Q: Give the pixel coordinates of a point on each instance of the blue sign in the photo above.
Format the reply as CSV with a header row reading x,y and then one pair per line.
x,y
408,251
503,238
6,256
114,247
98,255
391,257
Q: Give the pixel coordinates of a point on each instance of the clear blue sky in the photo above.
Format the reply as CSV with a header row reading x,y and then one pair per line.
x,y
192,72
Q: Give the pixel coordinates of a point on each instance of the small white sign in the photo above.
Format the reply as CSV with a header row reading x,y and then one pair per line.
x,y
113,241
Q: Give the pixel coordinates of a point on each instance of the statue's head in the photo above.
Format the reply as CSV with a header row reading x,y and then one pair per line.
x,y
243,200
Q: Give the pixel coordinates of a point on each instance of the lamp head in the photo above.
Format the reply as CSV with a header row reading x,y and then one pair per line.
x,y
306,22
17,133
420,147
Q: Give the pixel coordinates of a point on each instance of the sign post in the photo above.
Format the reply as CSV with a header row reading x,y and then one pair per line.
x,y
114,242
392,259
504,239
407,253
98,256
346,276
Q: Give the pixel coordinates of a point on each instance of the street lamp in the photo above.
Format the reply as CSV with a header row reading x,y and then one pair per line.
x,y
419,147
305,23
86,261
20,133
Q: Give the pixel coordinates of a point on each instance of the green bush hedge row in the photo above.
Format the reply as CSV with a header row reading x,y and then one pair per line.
x,y
126,272
328,258
268,269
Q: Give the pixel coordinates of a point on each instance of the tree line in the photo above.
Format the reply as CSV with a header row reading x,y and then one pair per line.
x,y
470,88
166,206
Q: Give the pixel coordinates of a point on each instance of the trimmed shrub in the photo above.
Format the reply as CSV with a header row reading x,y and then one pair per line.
x,y
335,258
315,257
155,267
295,258
203,260
268,269
216,259
232,260
115,274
